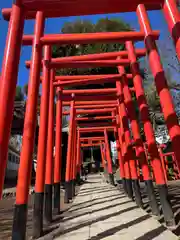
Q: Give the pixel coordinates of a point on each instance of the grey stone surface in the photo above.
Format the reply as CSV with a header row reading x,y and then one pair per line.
x,y
101,211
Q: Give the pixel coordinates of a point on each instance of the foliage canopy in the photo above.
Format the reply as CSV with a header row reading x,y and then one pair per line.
x,y
79,26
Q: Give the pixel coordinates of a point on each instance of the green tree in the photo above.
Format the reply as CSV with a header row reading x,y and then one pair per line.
x,y
79,26
19,94
172,68
25,89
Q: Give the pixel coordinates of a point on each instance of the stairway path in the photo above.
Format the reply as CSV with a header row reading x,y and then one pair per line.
x,y
101,211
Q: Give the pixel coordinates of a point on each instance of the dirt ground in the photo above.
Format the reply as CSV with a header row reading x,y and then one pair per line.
x,y
6,215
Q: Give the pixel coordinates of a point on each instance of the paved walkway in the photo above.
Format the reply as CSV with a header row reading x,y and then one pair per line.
x,y
100,211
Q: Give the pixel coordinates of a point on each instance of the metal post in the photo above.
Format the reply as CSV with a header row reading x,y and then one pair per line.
x,y
8,83
49,154
58,152
172,16
24,175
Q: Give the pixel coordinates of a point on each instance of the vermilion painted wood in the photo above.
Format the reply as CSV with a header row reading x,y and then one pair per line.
x,y
102,155
78,103
56,8
91,111
46,102
134,126
161,83
117,133
89,118
163,164
74,146
95,106
105,97
107,153
144,114
94,124
93,80
85,82
92,138
87,64
8,83
90,145
89,38
81,77
129,158
58,140
78,153
90,91
96,129
50,139
25,166
53,8
70,143
172,16
96,56
121,134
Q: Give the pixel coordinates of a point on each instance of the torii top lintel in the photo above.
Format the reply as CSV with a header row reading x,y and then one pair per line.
x,y
64,8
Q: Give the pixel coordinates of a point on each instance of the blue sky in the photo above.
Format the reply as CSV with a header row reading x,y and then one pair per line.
x,y
54,26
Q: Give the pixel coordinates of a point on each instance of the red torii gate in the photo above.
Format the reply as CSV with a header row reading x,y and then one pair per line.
x,y
89,139
90,91
99,141
22,10
91,57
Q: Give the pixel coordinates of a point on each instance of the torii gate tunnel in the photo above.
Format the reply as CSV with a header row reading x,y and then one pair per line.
x,y
93,112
